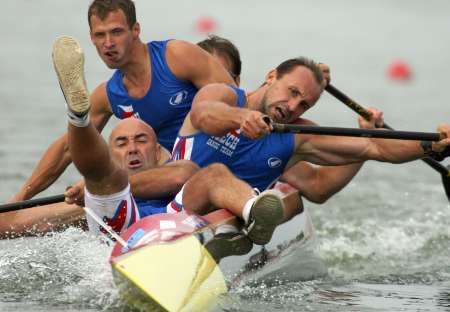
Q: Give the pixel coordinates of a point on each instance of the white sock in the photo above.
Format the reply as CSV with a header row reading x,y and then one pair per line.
x,y
78,121
226,228
247,207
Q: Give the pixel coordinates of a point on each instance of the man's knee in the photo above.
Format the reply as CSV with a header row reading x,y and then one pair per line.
x,y
217,170
188,168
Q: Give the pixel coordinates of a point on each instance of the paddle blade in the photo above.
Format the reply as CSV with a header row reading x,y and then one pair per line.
x,y
446,182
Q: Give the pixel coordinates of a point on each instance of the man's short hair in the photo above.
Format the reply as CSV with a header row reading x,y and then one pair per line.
x,y
289,65
223,47
102,8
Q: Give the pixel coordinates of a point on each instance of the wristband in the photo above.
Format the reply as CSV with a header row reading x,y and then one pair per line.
x,y
427,147
428,151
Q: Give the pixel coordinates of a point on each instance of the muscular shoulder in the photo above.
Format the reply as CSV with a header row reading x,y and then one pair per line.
x,y
180,48
185,58
188,61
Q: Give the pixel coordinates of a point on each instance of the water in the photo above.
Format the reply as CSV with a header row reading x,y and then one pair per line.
x,y
384,239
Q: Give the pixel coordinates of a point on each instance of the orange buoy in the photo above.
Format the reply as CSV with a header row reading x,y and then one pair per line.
x,y
206,24
399,71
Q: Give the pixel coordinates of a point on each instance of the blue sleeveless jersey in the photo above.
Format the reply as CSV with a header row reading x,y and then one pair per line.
x,y
149,207
166,103
258,162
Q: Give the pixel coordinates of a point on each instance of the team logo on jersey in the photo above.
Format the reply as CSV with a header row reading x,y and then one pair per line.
x,y
274,162
225,144
127,111
178,97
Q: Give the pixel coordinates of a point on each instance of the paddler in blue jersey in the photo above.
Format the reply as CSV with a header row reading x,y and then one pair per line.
x,y
315,183
105,169
227,125
154,81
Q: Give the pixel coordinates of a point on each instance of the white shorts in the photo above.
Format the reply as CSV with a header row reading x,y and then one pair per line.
x,y
176,205
118,210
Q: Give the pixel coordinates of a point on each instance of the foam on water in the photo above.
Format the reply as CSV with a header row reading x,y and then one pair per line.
x,y
399,242
60,269
381,252
361,249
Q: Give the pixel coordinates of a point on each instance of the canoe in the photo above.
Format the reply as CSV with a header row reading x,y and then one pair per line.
x,y
165,265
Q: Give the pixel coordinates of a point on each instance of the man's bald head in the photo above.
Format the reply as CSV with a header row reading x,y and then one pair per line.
x,y
125,125
133,145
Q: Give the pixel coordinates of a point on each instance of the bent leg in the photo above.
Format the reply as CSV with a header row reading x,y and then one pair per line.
x,y
88,150
215,187
92,158
107,188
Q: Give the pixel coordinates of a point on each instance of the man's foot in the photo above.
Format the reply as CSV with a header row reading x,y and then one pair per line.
x,y
228,244
68,59
265,215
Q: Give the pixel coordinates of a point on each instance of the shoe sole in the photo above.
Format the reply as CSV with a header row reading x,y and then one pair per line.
x,y
222,247
68,60
267,213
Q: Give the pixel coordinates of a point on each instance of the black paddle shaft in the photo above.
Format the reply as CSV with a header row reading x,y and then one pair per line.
x,y
356,132
32,203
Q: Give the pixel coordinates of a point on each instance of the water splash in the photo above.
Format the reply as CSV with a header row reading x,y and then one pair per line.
x,y
59,269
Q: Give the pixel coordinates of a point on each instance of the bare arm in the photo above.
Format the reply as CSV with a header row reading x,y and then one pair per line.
x,y
190,62
214,112
57,157
35,221
329,150
49,168
162,181
318,184
166,180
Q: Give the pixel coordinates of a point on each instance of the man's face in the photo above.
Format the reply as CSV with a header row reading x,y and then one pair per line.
x,y
133,146
288,97
113,38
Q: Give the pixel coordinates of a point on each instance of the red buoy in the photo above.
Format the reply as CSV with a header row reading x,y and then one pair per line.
x,y
399,70
206,24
